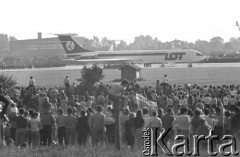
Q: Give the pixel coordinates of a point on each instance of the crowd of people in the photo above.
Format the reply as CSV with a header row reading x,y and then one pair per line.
x,y
4,66
73,115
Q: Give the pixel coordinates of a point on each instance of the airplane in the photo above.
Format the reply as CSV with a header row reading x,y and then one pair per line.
x,y
75,52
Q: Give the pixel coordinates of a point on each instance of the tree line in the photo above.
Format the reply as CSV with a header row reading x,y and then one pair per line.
x,y
216,46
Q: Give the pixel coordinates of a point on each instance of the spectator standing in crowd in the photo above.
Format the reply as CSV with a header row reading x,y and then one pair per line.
x,y
196,120
167,123
61,128
32,83
130,131
70,124
203,129
21,122
123,118
165,79
146,117
139,124
155,124
66,82
97,126
48,122
64,103
34,124
182,123
82,128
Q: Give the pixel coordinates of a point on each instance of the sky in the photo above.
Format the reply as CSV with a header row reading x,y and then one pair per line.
x,y
187,20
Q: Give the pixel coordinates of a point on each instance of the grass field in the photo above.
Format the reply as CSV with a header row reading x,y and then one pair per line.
x,y
204,75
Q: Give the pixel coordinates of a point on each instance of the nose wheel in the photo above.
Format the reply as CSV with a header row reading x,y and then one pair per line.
x,y
189,64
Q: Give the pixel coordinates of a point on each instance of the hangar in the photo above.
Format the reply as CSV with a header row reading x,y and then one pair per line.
x,y
38,47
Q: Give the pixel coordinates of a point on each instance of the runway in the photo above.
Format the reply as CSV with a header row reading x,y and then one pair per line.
x,y
77,67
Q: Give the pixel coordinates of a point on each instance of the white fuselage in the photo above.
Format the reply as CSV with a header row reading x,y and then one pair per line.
x,y
143,56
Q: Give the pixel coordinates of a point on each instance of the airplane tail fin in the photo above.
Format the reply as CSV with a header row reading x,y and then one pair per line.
x,y
70,45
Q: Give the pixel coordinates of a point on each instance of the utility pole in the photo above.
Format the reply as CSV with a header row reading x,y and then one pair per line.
x,y
10,50
237,24
116,112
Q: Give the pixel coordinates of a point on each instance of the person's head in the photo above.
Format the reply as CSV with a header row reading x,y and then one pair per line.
x,y
21,111
197,112
82,98
183,110
126,111
139,114
31,77
60,112
83,113
7,124
165,75
35,115
66,76
218,110
74,109
13,104
99,108
131,115
154,113
26,113
124,83
31,111
109,108
69,110
170,111
227,113
206,111
202,121
23,145
145,111
237,110
90,110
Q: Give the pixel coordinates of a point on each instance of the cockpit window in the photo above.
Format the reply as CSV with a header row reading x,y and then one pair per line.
x,y
199,54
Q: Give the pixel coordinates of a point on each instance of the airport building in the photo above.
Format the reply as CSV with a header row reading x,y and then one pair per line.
x,y
37,47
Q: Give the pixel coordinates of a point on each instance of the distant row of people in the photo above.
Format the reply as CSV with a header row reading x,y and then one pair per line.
x,y
5,67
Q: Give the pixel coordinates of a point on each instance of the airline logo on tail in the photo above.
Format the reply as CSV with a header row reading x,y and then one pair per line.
x,y
70,45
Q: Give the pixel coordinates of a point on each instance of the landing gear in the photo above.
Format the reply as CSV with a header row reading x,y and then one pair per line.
x,y
147,64
190,65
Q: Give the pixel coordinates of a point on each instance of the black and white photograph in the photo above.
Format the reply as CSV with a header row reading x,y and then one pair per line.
x,y
119,78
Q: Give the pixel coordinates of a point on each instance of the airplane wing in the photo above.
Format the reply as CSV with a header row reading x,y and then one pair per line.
x,y
107,61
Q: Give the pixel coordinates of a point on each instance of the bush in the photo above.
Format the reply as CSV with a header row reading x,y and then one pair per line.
x,y
91,75
7,81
